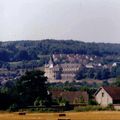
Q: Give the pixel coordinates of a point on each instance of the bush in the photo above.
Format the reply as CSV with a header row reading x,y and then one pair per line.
x,y
62,102
39,102
42,110
110,107
13,108
91,108
92,102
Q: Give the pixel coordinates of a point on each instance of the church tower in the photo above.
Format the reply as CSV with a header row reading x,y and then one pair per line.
x,y
49,70
51,63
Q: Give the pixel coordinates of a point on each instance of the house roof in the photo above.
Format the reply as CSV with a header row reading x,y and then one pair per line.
x,y
56,93
70,95
114,92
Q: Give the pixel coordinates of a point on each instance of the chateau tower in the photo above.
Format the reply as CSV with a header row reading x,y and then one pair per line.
x,y
51,63
49,70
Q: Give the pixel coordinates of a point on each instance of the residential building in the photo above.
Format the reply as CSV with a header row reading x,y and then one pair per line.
x,y
73,97
106,96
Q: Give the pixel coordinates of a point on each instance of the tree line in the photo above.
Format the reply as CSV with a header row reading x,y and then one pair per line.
x,y
98,73
30,50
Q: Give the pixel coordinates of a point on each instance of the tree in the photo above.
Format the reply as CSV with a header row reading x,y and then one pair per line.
x,y
22,55
105,83
62,102
31,86
7,97
105,74
81,74
118,71
117,82
4,55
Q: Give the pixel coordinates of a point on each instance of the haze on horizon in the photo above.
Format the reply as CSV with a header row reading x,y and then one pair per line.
x,y
85,20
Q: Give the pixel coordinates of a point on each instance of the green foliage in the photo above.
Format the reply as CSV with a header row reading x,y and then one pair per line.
x,y
30,89
29,50
4,55
94,73
74,86
81,99
91,108
105,83
39,102
117,82
30,86
44,110
98,73
13,108
92,102
62,102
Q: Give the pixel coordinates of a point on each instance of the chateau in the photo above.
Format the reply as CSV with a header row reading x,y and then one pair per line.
x,y
61,72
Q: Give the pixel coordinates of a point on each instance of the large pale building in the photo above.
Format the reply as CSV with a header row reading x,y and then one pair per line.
x,y
61,72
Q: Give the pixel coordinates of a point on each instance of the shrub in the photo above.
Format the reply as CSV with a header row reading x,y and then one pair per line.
x,y
92,102
62,102
13,108
91,108
42,110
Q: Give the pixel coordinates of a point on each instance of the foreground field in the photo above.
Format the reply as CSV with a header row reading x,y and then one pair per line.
x,y
69,116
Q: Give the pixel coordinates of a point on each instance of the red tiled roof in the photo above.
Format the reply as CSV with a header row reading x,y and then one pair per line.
x,y
70,95
56,93
114,92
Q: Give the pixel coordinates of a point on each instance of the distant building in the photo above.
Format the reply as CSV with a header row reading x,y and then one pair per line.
x,y
49,70
73,97
114,64
89,65
108,95
61,72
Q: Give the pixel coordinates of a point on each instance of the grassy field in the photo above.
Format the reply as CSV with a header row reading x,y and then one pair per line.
x,y
69,116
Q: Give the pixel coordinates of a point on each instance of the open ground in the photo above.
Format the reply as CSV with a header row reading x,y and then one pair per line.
x,y
104,115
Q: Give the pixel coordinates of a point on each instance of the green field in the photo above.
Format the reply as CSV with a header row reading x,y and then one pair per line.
x,y
104,115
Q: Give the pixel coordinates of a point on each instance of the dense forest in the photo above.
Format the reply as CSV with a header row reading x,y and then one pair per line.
x,y
31,50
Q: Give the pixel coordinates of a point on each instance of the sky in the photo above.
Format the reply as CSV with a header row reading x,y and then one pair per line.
x,y
85,20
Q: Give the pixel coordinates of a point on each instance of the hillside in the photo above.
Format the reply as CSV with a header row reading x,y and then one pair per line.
x,y
31,50
18,56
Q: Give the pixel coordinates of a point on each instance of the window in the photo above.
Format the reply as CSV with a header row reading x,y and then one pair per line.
x,y
102,94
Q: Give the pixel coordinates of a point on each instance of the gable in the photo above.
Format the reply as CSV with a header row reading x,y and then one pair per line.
x,y
113,92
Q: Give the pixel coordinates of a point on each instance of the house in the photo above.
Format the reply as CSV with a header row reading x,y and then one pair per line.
x,y
108,95
73,97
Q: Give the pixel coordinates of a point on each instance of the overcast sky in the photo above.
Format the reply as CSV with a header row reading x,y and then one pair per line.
x,y
85,20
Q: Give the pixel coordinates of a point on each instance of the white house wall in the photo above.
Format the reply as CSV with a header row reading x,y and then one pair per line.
x,y
103,100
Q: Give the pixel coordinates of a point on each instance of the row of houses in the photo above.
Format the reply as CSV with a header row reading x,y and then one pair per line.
x,y
104,96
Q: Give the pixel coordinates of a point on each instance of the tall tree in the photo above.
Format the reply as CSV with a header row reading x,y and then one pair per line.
x,y
30,86
117,82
